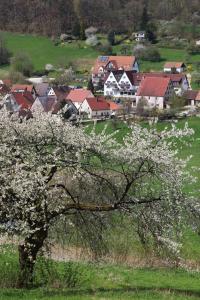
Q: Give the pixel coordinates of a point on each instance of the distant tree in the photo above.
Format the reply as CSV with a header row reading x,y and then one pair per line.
x,y
4,52
92,41
22,63
90,85
144,19
91,31
141,106
147,53
196,78
177,101
16,77
105,49
111,37
76,30
193,48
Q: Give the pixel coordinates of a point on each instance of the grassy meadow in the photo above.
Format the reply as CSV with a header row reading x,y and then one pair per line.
x,y
90,281
43,51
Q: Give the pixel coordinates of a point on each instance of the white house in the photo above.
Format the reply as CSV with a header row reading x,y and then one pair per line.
x,y
156,91
174,67
96,108
121,84
140,36
105,64
78,96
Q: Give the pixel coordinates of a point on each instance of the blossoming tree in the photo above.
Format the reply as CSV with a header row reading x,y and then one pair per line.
x,y
50,169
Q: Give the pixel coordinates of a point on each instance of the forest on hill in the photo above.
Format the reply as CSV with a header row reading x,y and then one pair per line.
x,y
49,17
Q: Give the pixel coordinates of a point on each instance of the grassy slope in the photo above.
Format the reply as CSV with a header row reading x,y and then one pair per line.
x,y
43,51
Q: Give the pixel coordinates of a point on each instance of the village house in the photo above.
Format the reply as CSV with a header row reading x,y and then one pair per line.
x,y
105,64
140,36
157,92
23,88
192,98
95,108
18,102
78,96
120,84
98,107
174,67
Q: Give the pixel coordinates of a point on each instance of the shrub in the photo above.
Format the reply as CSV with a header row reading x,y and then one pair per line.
x,y
92,41
16,77
193,48
105,49
4,53
148,53
22,63
111,37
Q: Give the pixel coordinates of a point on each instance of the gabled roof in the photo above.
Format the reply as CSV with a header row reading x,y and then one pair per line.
x,y
61,92
174,64
136,78
48,104
79,95
24,100
42,89
119,62
22,88
153,86
191,95
98,103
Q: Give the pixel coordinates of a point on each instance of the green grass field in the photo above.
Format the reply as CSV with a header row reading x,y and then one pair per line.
x,y
43,51
103,282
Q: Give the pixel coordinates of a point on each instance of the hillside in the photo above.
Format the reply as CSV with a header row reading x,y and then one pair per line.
x,y
53,17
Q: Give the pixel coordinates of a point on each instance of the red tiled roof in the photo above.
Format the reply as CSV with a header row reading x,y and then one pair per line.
x,y
98,103
113,105
124,62
153,86
21,88
79,95
173,64
24,100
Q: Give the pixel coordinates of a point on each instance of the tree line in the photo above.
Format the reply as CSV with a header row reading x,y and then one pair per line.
x,y
52,18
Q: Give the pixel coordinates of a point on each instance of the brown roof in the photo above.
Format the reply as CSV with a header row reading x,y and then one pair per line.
x,y
174,64
79,95
153,86
191,95
124,62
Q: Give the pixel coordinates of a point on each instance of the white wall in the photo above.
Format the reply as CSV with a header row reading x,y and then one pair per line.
x,y
152,101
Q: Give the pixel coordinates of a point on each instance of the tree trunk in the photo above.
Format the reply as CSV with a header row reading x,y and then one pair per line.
x,y
27,257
